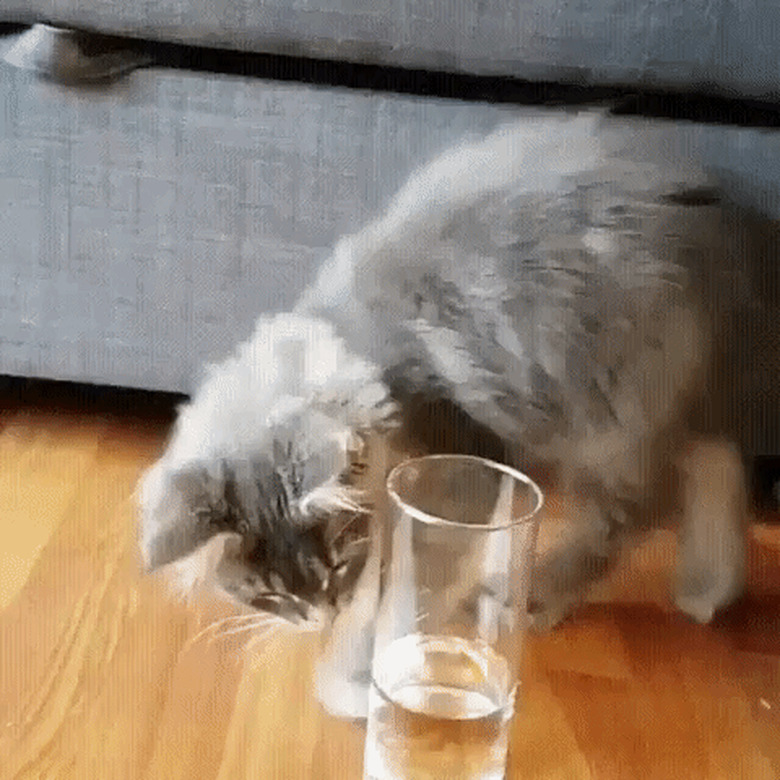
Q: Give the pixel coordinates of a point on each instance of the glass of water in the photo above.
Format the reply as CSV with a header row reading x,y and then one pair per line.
x,y
457,559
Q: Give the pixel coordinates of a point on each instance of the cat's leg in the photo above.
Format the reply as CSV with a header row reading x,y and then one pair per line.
x,y
573,551
344,669
712,542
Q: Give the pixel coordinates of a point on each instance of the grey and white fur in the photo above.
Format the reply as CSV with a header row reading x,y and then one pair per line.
x,y
572,292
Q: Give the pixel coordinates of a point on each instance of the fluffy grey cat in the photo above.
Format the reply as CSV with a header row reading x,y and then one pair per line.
x,y
571,293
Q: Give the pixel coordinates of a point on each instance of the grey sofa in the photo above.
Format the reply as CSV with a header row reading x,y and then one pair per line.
x,y
146,221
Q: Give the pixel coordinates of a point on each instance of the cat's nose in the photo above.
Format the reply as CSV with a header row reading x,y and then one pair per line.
x,y
296,563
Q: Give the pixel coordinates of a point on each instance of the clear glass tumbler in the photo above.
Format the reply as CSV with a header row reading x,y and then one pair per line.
x,y
452,617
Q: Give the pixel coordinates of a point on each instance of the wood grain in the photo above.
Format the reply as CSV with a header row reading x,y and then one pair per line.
x,y
103,674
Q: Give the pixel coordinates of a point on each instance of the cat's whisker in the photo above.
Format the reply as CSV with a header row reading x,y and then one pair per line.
x,y
351,522
266,626
359,542
253,621
353,548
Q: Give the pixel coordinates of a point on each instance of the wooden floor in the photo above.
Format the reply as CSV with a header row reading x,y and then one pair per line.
x,y
103,676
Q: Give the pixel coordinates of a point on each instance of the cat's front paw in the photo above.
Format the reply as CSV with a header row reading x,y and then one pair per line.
x,y
573,551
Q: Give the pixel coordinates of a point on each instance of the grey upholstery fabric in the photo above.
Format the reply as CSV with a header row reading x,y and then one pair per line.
x,y
144,227
720,44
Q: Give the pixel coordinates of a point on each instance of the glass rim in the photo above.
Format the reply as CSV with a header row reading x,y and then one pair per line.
x,y
429,519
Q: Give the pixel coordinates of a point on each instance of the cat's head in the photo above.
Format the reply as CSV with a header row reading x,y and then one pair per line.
x,y
269,450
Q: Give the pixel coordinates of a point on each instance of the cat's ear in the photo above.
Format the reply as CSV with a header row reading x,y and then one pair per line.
x,y
182,507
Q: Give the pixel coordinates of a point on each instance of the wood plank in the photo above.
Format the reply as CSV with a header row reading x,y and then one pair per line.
x,y
52,454
104,674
